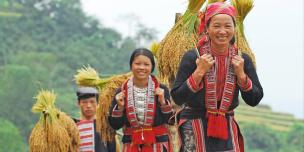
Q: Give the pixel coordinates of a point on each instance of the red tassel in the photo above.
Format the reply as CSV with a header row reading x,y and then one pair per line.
x,y
134,148
148,148
149,137
211,127
217,126
222,129
137,138
145,137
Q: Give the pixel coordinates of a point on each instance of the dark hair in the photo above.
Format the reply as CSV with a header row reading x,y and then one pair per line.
x,y
86,96
144,52
232,41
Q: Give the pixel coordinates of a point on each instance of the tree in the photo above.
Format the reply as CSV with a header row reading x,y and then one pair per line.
x,y
295,138
45,45
41,66
145,35
17,89
10,139
261,138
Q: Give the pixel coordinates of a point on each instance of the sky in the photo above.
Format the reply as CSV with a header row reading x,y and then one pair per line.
x,y
273,28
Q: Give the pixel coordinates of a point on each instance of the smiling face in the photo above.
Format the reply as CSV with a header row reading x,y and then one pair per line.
x,y
141,67
221,30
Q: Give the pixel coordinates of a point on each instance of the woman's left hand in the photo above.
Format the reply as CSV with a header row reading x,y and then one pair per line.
x,y
159,92
238,66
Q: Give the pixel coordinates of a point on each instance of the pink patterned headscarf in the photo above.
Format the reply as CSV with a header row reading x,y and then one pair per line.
x,y
214,9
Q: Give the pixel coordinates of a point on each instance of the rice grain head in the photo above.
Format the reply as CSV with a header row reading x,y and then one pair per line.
x,y
87,76
243,7
181,38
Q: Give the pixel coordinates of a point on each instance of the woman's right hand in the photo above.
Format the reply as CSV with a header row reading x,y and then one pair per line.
x,y
204,63
120,100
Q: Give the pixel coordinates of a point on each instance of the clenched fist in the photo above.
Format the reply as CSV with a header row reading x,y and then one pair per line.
x,y
204,63
120,100
159,92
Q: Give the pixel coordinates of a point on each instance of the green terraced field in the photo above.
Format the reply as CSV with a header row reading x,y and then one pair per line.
x,y
263,114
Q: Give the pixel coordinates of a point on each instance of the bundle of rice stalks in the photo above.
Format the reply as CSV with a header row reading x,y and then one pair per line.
x,y
48,134
87,76
243,7
71,128
105,99
178,40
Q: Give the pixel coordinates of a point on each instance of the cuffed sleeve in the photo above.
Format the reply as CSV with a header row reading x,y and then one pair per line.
x,y
116,112
192,84
246,86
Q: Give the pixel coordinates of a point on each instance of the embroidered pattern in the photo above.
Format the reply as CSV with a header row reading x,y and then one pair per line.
x,y
149,104
210,81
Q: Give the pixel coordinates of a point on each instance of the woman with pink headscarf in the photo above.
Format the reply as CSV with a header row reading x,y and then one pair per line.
x,y
208,83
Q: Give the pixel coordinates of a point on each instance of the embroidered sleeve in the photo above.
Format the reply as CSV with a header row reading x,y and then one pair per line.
x,y
116,112
192,84
247,85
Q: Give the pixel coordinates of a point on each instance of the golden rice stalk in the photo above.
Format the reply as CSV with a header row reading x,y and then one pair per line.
x,y
213,1
243,7
45,104
72,130
87,76
51,137
189,19
48,134
195,5
59,139
154,47
37,140
178,40
105,100
170,52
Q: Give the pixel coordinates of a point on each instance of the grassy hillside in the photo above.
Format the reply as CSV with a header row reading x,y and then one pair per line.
x,y
263,114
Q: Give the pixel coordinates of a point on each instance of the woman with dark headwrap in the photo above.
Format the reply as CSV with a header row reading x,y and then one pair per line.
x,y
208,83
